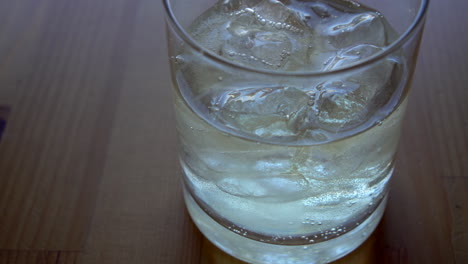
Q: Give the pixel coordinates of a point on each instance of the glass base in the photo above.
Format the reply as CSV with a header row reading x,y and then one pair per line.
x,y
256,252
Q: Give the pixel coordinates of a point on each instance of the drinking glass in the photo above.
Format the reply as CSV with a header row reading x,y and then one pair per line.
x,y
288,115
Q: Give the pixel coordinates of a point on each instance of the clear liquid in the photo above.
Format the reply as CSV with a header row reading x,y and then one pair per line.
x,y
298,163
286,194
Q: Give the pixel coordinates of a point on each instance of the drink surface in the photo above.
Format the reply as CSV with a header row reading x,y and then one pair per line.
x,y
289,160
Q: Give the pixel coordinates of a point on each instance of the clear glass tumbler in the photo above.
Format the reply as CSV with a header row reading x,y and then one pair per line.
x,y
288,114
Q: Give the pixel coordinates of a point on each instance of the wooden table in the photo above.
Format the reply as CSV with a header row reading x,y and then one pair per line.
x,y
88,170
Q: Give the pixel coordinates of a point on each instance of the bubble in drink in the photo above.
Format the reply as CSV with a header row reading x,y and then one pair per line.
x,y
266,156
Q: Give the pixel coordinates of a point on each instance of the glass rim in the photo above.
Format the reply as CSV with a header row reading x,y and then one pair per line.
x,y
394,46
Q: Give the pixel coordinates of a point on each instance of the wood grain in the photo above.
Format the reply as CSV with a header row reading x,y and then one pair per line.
x,y
66,85
88,167
442,86
38,257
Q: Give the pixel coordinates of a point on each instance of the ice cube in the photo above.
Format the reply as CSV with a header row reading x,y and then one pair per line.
x,y
231,5
275,188
352,55
341,105
251,44
237,5
277,15
265,112
321,10
356,28
351,99
265,34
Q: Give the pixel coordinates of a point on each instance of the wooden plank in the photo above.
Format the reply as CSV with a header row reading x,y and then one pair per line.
x,y
3,257
52,257
12,256
37,257
90,142
140,216
447,112
67,258
457,189
52,152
